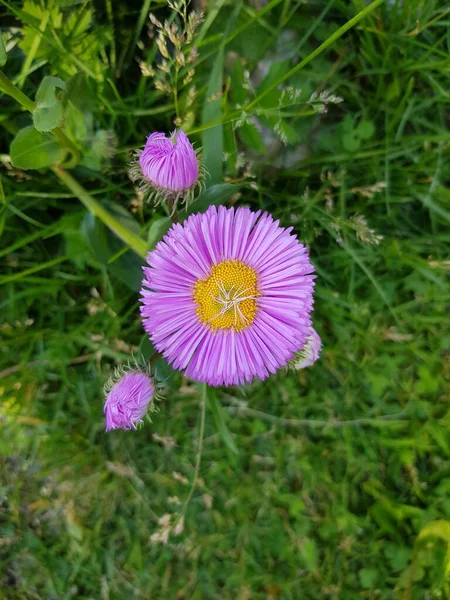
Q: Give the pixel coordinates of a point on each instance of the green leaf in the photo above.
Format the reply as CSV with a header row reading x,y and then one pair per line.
x,y
436,529
80,93
31,149
3,55
368,578
251,137
110,250
162,371
219,419
238,92
50,102
216,194
158,229
348,124
309,554
79,119
75,124
277,70
350,142
68,3
365,130
146,349
212,111
75,240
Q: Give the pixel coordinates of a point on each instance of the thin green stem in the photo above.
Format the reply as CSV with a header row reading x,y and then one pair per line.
x,y
9,88
131,239
64,140
381,421
198,461
335,36
39,267
33,50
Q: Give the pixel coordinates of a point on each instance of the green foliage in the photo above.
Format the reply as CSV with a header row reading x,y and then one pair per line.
x,y
50,97
110,251
3,54
331,482
32,149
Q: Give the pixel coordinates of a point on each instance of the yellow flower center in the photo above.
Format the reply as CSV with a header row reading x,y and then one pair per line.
x,y
227,298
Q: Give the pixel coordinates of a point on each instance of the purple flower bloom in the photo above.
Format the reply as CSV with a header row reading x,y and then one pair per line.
x,y
310,352
127,400
169,166
227,296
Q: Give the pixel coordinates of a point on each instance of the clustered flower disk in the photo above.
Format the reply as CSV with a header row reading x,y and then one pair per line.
x,y
228,296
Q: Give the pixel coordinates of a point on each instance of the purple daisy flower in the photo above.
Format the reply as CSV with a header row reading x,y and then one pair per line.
x,y
169,166
127,400
227,296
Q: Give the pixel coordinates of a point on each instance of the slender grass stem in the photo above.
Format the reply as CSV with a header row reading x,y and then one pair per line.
x,y
12,90
335,36
131,239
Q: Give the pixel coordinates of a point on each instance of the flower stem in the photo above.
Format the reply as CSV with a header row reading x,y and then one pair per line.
x,y
12,90
131,239
200,448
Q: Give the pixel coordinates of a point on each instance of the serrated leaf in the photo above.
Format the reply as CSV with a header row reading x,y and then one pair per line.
x,y
3,55
32,149
50,100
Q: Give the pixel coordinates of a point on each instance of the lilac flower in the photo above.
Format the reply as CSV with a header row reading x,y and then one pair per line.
x,y
310,352
227,296
127,400
169,166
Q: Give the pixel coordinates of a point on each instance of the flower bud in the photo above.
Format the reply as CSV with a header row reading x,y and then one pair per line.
x,y
127,400
169,166
310,352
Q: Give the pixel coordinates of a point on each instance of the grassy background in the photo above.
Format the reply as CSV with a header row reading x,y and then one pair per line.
x,y
332,482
